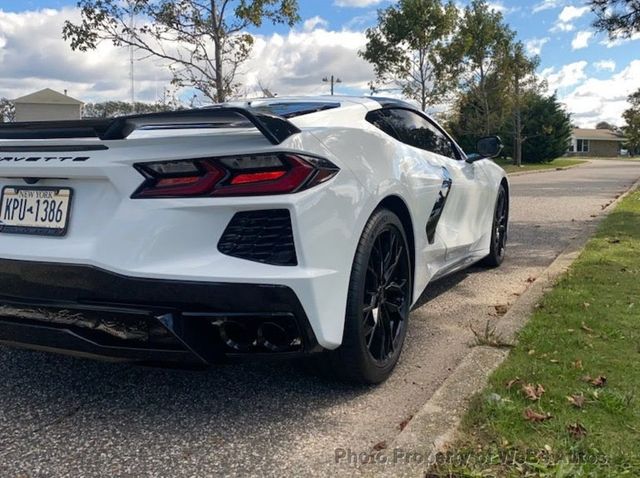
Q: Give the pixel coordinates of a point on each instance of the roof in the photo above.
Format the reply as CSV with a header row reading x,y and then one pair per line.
x,y
597,134
47,96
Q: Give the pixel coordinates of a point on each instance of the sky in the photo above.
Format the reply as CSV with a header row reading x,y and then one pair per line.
x,y
591,74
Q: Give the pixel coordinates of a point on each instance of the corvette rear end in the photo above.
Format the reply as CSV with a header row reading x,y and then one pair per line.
x,y
140,240
272,228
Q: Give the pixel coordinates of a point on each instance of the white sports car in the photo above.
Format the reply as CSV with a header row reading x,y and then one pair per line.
x,y
275,227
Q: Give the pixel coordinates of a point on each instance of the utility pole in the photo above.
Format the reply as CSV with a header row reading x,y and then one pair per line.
x,y
333,82
131,75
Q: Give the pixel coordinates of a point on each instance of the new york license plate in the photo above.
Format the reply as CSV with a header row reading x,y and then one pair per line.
x,y
35,210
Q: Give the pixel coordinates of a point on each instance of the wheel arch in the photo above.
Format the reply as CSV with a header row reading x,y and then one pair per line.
x,y
397,205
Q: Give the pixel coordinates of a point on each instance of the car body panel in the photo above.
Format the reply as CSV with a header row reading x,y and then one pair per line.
x,y
175,239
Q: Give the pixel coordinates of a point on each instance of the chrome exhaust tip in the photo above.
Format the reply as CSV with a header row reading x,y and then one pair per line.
x,y
236,336
275,338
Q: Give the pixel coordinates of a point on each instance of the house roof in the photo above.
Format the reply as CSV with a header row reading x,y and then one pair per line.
x,y
597,134
48,96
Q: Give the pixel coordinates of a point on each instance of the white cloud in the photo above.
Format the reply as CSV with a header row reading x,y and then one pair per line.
x,y
356,3
33,56
499,6
603,100
581,40
605,65
547,5
568,75
567,16
609,43
572,13
534,45
314,22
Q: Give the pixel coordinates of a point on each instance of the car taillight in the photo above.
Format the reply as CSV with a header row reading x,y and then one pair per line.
x,y
247,175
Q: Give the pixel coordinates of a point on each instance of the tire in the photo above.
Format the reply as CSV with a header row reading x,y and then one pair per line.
x,y
377,313
499,230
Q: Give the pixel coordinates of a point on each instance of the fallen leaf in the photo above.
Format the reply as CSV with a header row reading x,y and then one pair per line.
x,y
405,422
501,309
586,305
533,392
586,328
577,431
531,352
380,446
531,416
576,400
599,381
577,364
531,280
513,382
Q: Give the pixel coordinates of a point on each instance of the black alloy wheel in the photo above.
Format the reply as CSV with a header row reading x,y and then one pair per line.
x,y
378,303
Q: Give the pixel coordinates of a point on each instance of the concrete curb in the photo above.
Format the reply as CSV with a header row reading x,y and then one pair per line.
x,y
549,170
434,426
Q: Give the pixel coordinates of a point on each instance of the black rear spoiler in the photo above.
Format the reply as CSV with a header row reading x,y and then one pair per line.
x,y
275,128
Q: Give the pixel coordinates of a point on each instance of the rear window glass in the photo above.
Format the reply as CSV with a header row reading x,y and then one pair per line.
x,y
291,110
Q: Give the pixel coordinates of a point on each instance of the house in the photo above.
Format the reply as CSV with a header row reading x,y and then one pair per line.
x,y
595,142
47,104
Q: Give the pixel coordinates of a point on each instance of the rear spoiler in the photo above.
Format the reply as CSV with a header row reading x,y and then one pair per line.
x,y
274,128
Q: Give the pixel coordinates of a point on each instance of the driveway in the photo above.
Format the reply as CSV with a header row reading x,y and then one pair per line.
x,y
68,417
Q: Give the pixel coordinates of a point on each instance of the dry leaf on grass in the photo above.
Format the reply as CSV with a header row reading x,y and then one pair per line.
x,y
586,328
598,382
576,400
513,382
533,392
535,417
577,431
577,364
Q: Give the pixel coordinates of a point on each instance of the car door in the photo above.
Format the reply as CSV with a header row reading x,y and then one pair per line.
x,y
456,215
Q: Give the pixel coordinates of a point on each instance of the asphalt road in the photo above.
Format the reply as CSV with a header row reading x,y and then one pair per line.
x,y
69,417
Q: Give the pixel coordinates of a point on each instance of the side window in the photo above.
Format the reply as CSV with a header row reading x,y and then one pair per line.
x,y
378,119
414,130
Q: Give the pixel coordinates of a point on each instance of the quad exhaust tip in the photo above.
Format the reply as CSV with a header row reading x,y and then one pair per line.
x,y
252,336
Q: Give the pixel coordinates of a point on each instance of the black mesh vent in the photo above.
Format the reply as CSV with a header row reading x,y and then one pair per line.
x,y
260,236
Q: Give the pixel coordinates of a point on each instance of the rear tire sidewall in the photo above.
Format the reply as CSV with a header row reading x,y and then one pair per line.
x,y
365,367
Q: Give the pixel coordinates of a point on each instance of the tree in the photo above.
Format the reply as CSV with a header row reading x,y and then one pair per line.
x,y
619,18
547,129
7,111
520,71
631,129
112,109
408,48
605,125
204,42
480,48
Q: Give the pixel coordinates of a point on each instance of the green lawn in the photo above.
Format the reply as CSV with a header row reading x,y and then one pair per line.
x,y
556,163
568,396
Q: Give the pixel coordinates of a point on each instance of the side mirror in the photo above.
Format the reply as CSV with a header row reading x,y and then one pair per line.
x,y
488,147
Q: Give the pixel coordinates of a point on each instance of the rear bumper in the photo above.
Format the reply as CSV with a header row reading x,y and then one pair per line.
x,y
87,311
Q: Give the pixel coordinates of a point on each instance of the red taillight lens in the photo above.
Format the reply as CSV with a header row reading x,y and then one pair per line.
x,y
233,176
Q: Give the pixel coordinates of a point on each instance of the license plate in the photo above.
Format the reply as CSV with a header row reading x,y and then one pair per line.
x,y
35,210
